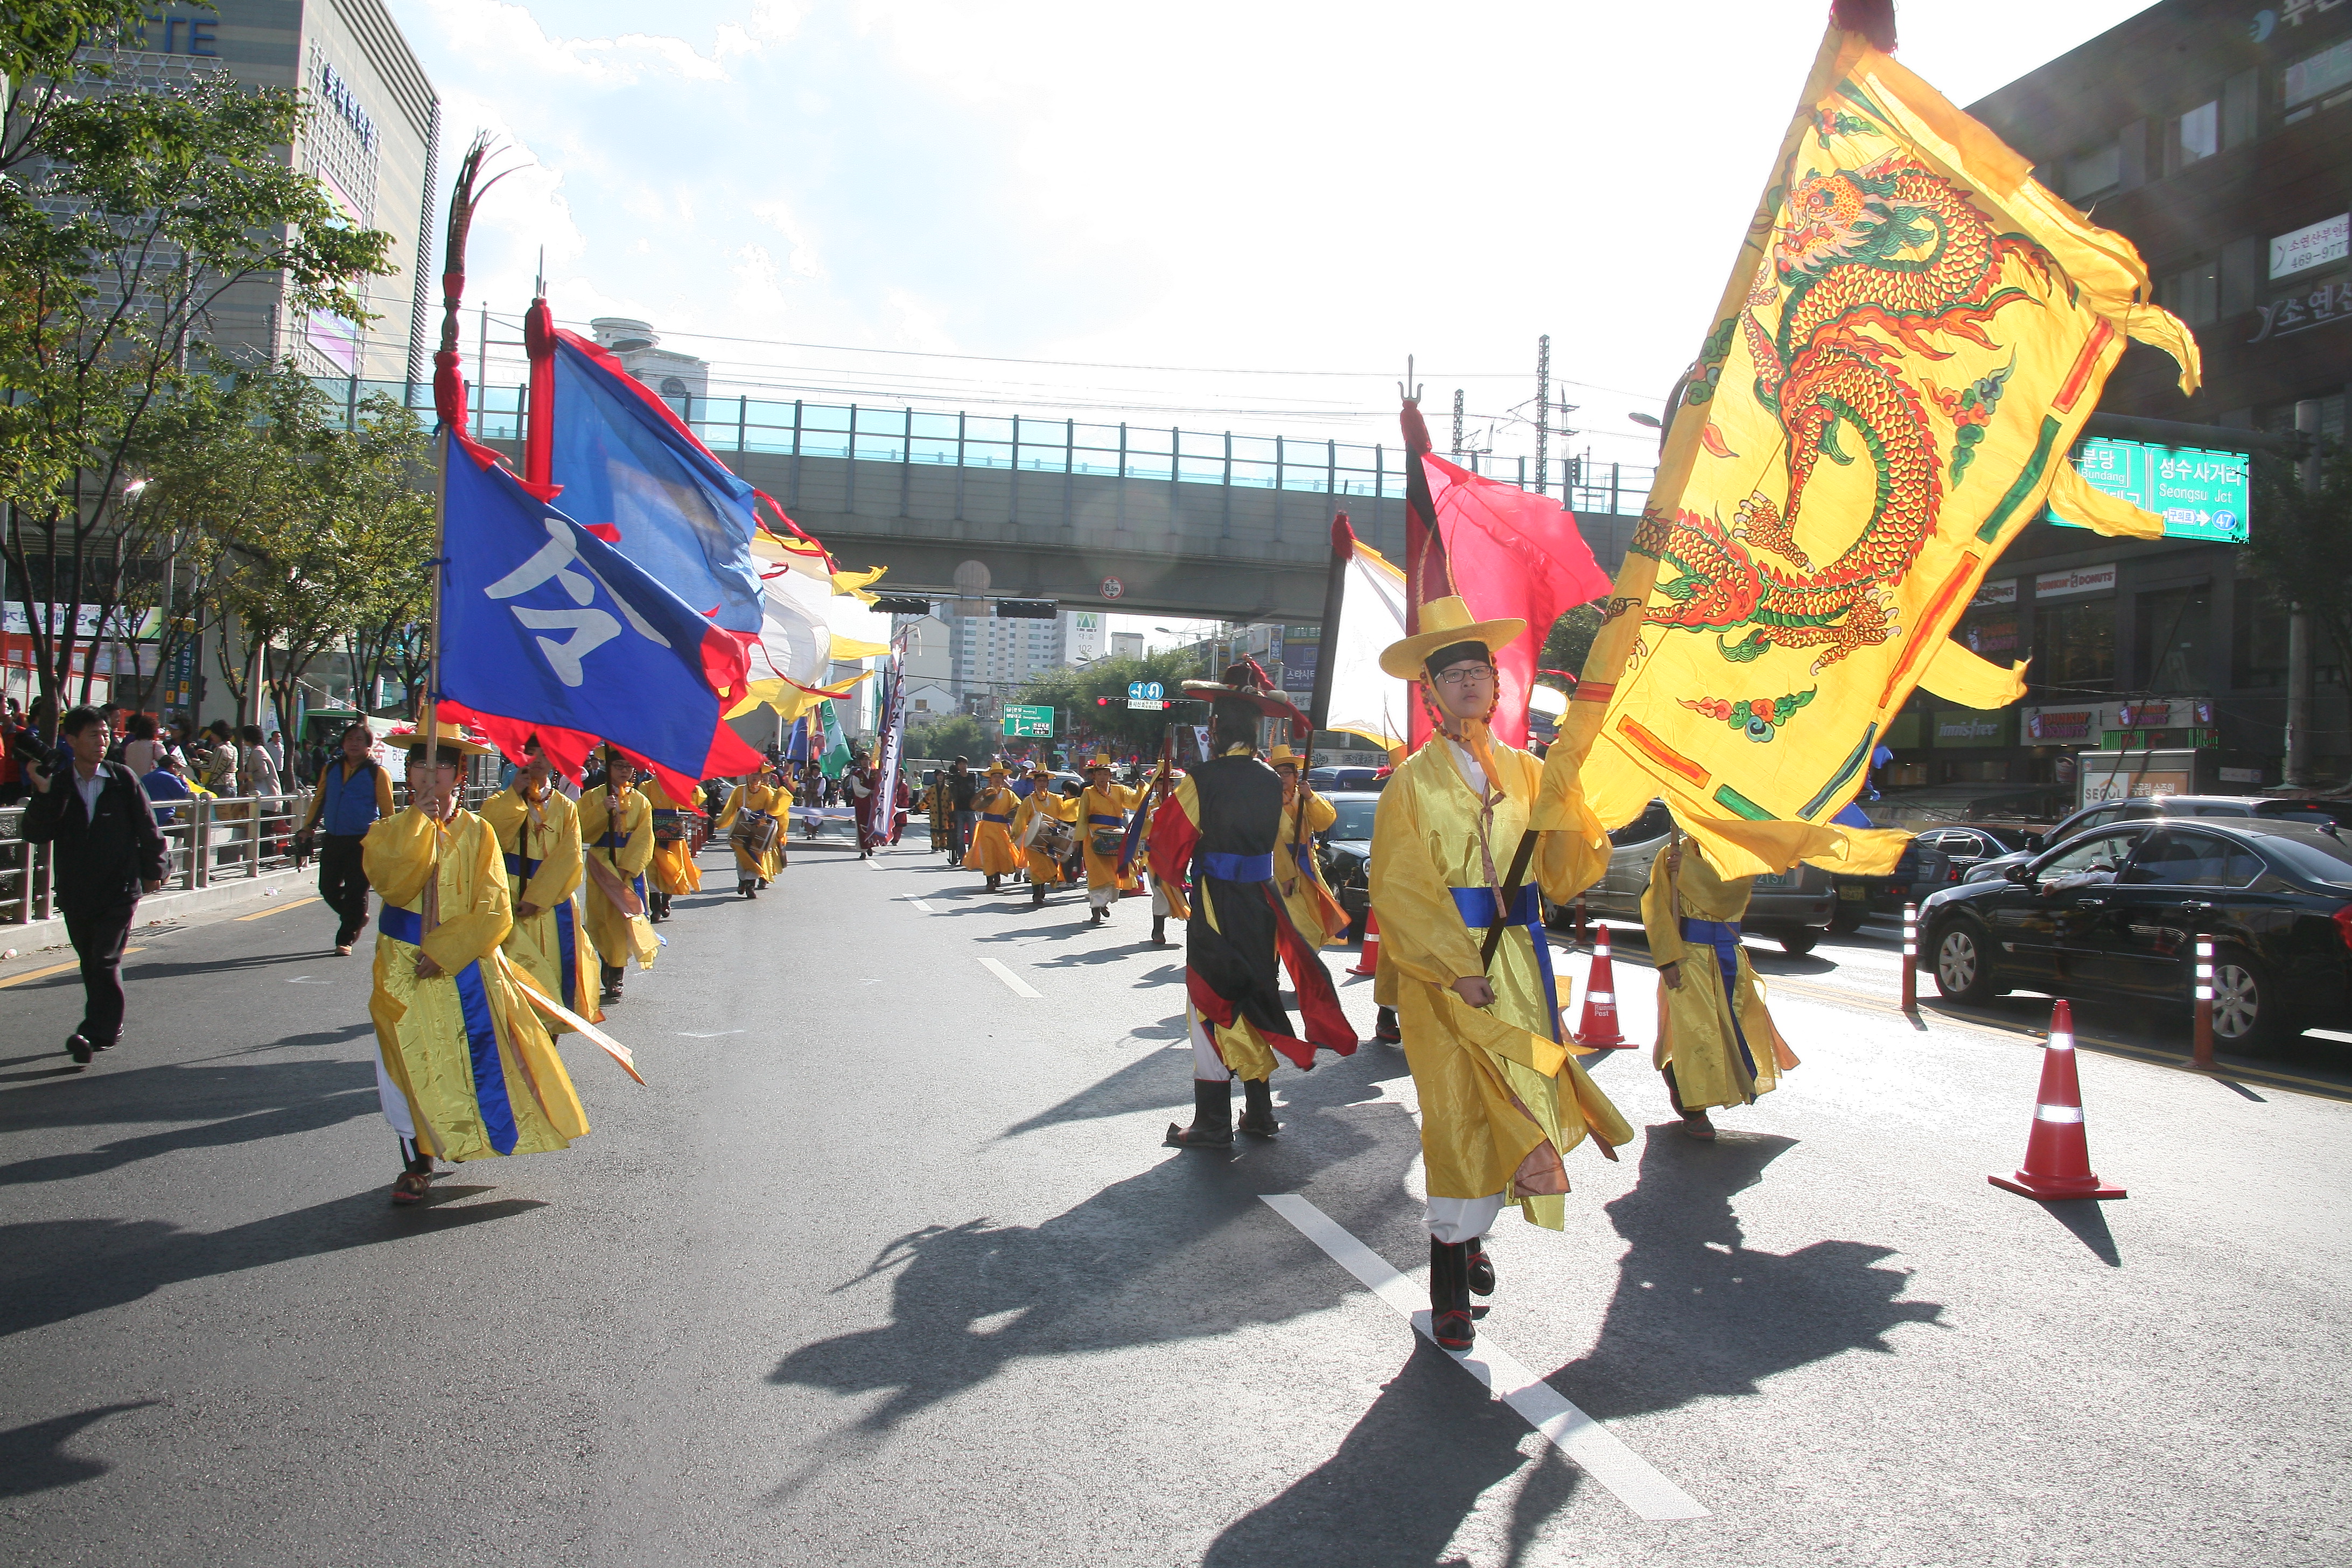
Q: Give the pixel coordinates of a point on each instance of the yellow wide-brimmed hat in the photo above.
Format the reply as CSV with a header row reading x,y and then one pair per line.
x,y
1040,771
1282,757
1443,623
996,770
451,739
1098,761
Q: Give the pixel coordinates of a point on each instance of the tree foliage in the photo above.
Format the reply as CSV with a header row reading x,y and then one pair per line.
x,y
1569,644
956,735
128,220
1072,690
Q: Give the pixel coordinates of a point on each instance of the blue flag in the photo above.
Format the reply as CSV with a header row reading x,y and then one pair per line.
x,y
635,475
545,626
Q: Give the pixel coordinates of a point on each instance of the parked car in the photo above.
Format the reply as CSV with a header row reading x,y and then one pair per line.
x,y
1792,908
2116,910
1345,849
1920,871
1326,780
2114,811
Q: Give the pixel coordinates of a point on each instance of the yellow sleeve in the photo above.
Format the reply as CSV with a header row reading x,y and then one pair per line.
x,y
1320,813
734,805
1062,807
1421,926
559,869
1658,911
397,855
1574,854
383,792
463,936
638,853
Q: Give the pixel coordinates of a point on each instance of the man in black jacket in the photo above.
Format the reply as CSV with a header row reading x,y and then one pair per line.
x,y
108,851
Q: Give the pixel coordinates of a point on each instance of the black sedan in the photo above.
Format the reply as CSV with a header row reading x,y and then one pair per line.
x,y
1345,849
2116,911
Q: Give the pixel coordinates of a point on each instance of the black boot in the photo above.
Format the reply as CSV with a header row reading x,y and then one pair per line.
x,y
1258,1108
993,882
1159,931
1384,1026
1482,1270
1449,1295
1213,1117
612,972
415,1174
1036,895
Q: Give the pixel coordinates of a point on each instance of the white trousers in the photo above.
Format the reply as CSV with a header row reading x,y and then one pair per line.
x,y
1101,898
1463,1219
1159,910
395,1104
1207,1066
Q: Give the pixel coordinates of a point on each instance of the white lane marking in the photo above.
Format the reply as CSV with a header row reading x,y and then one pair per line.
x,y
1591,1447
306,980
1020,987
920,904
713,1035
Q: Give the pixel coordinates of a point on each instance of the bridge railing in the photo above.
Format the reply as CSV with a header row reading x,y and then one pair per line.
x,y
1039,444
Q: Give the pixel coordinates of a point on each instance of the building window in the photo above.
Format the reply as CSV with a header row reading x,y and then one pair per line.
x,y
2318,81
2074,644
2257,637
2174,641
2196,136
2096,173
2194,293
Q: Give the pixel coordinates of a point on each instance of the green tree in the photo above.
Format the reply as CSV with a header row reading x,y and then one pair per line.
x,y
1569,642
126,220
2296,545
957,735
1072,691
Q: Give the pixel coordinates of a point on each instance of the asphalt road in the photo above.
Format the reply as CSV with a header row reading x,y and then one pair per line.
x,y
886,1264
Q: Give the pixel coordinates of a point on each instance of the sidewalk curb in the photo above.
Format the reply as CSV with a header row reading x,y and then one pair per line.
x,y
157,908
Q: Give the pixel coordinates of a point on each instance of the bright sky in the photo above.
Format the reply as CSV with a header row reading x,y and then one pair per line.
x,y
1232,215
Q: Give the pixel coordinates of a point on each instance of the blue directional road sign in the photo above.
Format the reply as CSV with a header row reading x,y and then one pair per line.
x,y
1145,691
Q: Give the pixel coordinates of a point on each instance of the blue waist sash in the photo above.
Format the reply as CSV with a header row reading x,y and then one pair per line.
x,y
402,925
992,816
1478,908
611,841
1096,819
1723,936
669,813
1238,867
518,866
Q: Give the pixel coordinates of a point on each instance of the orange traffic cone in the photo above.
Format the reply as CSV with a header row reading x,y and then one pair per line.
x,y
1370,961
2057,1154
1598,1032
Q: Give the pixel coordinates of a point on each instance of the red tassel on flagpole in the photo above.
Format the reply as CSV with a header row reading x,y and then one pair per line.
x,y
1874,19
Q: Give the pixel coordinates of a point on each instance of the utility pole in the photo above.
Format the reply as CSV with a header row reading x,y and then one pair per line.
x,y
1543,413
2298,769
1457,423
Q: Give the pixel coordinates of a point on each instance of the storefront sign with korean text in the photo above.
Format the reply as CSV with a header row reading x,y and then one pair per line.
x,y
2318,305
2315,244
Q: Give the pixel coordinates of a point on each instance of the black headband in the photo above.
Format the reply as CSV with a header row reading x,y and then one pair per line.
x,y
450,756
1455,653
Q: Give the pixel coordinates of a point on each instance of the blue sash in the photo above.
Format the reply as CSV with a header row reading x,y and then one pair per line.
x,y
402,925
1478,908
1238,867
611,841
1096,819
1724,937
567,951
518,866
992,816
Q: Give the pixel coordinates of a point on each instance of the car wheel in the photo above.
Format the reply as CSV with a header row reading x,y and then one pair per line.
x,y
1847,918
1963,964
2250,1012
1798,940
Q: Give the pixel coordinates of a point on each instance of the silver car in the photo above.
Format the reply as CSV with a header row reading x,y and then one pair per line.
x,y
1792,908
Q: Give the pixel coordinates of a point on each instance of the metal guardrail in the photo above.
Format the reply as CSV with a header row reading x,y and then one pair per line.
x,y
1037,444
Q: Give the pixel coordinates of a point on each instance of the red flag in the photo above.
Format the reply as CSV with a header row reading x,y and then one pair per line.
x,y
1511,554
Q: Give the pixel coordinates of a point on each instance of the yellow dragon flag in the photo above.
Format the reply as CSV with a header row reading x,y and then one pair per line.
x,y
1908,348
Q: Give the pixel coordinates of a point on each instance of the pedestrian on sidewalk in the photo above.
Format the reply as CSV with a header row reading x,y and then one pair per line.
x,y
354,794
108,852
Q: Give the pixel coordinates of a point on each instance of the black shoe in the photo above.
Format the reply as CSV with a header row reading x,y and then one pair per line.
x,y
1213,1117
1258,1108
1159,931
79,1049
1036,895
744,888
1449,1295
1384,1027
996,884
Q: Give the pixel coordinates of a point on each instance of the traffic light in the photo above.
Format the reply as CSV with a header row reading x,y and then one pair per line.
x,y
1105,701
1027,609
901,604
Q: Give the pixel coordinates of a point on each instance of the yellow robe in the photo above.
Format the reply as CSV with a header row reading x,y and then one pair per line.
x,y
466,1048
753,796
627,847
1501,1098
552,941
1113,801
1313,910
673,869
1042,801
1695,1024
992,854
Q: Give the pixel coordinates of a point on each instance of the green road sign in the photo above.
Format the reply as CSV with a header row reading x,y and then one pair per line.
x,y
2200,494
1024,723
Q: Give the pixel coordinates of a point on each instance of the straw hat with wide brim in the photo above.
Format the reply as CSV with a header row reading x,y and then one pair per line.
x,y
1099,762
1444,622
1240,685
1283,757
451,738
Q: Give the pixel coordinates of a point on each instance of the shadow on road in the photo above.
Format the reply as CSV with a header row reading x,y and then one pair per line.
x,y
55,1270
1696,1314
33,1458
1150,1082
2087,1219
310,1092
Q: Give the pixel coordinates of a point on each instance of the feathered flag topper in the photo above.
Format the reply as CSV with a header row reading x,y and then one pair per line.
x,y
1910,342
